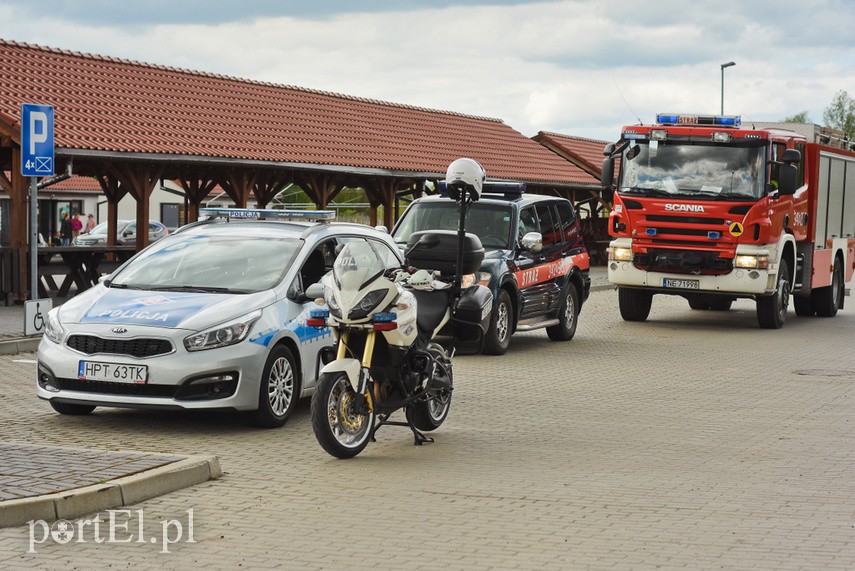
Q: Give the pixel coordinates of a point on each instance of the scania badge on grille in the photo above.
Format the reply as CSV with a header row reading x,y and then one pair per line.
x,y
119,330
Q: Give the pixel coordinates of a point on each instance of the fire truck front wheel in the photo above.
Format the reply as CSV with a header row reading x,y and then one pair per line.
x,y
772,309
634,304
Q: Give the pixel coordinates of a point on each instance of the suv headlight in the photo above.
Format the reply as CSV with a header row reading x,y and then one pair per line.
x,y
222,335
53,328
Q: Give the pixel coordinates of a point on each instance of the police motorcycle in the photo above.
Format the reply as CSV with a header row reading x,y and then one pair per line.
x,y
386,322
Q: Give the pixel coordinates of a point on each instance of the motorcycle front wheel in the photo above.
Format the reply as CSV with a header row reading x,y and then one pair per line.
x,y
341,427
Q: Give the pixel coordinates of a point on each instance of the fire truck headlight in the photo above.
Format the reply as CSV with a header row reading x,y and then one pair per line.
x,y
752,261
620,254
658,135
721,137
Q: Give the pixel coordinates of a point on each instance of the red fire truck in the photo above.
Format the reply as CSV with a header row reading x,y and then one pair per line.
x,y
711,210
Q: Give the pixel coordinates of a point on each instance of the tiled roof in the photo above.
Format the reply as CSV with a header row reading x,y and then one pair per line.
x,y
108,104
588,152
75,183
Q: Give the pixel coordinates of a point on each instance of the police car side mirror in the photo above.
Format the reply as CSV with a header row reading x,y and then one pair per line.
x,y
532,241
381,228
314,291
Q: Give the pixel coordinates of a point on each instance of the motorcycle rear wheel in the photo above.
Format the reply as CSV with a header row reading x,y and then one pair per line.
x,y
341,430
429,414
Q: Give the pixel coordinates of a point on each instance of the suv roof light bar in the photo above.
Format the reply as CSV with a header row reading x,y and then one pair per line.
x,y
269,214
717,120
510,190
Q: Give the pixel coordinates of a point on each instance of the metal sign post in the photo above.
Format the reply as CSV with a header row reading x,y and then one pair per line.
x,y
37,159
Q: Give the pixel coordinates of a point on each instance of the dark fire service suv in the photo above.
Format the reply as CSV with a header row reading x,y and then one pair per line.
x,y
536,264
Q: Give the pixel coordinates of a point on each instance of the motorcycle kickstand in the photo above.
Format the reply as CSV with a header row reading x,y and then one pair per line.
x,y
418,437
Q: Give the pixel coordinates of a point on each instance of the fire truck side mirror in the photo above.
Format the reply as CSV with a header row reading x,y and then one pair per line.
x,y
607,176
787,175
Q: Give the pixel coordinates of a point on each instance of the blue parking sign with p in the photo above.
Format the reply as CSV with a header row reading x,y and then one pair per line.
x,y
36,140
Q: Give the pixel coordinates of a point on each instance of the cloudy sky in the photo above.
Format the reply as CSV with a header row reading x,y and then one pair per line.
x,y
578,67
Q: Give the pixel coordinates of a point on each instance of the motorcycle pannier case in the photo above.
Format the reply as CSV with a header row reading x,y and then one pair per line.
x,y
474,307
437,250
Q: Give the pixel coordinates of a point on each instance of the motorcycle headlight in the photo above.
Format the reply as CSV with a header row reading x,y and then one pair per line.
x,y
366,304
329,298
222,335
53,328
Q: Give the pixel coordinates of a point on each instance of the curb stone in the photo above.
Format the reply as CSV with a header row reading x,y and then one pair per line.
x,y
124,491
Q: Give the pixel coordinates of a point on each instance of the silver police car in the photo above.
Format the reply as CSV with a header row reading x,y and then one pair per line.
x,y
212,316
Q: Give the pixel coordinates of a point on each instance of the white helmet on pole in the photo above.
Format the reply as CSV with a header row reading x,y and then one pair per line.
x,y
465,175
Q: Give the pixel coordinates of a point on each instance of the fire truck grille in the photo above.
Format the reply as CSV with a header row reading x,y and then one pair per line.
x,y
90,344
691,227
685,220
683,262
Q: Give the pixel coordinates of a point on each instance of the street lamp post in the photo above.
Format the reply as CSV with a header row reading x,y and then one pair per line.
x,y
724,65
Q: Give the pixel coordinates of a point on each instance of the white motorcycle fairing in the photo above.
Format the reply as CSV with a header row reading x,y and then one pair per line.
x,y
350,367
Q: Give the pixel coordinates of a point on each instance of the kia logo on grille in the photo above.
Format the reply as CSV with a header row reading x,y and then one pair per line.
x,y
119,330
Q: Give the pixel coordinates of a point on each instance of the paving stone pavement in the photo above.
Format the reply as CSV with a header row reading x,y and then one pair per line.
x,y
27,470
694,440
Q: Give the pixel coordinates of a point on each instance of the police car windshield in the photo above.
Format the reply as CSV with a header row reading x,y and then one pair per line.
x,y
210,263
490,222
692,170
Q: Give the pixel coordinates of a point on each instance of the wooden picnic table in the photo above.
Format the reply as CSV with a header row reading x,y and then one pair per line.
x,y
81,265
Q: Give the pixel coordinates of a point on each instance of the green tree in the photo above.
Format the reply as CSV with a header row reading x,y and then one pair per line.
x,y
841,113
798,118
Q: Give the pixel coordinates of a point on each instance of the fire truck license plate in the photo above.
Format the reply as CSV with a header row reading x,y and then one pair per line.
x,y
681,284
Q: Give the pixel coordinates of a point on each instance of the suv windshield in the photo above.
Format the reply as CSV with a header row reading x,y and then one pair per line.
x,y
691,170
490,222
238,264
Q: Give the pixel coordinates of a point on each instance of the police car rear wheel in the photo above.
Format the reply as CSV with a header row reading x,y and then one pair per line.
x,y
499,335
566,328
277,394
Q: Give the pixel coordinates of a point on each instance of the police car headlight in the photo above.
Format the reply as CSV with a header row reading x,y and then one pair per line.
x,y
53,328
222,335
371,300
752,261
620,254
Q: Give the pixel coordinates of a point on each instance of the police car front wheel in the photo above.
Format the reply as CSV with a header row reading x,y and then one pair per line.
x,y
278,392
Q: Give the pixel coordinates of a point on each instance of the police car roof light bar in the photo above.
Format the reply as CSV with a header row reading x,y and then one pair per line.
x,y
715,120
269,214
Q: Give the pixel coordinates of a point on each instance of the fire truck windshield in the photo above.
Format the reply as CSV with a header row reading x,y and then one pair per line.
x,y
693,170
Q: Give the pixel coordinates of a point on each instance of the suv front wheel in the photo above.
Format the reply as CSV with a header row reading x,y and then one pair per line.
x,y
566,328
501,321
